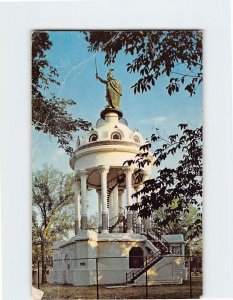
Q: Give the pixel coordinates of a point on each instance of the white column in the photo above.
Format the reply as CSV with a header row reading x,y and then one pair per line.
x,y
129,172
120,203
103,173
76,188
99,211
139,220
146,221
120,208
83,175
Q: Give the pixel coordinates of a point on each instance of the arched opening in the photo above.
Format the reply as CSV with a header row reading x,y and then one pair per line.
x,y
135,258
136,139
116,136
93,138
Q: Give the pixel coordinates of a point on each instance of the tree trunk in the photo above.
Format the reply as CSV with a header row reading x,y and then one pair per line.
x,y
43,262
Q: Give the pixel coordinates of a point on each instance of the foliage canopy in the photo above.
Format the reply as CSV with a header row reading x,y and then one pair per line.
x,y
52,212
174,189
176,54
49,112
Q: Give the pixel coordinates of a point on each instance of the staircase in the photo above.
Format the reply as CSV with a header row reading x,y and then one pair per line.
x,y
149,261
161,244
120,178
121,218
152,258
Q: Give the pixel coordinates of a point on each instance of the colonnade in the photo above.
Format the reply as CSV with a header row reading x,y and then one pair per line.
x,y
107,216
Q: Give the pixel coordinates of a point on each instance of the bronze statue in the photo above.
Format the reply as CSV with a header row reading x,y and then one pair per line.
x,y
113,90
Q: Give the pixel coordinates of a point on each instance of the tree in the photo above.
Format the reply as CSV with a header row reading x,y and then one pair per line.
x,y
175,190
52,212
93,221
49,112
176,54
182,224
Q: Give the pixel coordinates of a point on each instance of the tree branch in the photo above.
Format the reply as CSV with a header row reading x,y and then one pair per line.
x,y
187,75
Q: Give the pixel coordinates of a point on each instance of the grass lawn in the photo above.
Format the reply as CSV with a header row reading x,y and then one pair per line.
x,y
125,292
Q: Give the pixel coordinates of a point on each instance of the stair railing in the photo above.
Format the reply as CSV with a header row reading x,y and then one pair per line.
x,y
162,242
117,181
120,218
149,260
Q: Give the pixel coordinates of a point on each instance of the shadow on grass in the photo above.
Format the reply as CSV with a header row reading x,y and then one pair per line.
x,y
182,291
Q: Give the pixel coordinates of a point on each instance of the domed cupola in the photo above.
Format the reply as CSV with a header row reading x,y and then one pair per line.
x,y
112,126
111,134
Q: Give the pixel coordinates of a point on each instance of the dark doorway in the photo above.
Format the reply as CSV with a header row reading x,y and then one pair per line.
x,y
135,258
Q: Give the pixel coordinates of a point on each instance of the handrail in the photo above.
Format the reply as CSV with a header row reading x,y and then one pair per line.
x,y
121,208
110,228
117,216
113,218
118,180
151,258
148,261
162,241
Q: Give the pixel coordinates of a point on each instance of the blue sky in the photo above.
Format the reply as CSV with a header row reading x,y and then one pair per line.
x,y
76,67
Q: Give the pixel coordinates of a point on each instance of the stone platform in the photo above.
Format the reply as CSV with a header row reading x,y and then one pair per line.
x,y
107,255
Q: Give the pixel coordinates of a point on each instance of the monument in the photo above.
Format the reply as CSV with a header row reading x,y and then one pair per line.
x,y
123,248
113,89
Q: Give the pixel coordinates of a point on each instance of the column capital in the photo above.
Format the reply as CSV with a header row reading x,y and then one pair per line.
x,y
103,169
83,173
128,170
76,180
76,177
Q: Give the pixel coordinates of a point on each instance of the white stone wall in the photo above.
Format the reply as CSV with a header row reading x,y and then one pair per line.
x,y
105,155
111,268
83,271
169,270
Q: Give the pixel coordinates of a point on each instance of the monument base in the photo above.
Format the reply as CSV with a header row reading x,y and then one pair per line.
x,y
110,110
109,256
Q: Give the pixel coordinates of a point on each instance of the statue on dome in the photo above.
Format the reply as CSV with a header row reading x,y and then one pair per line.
x,y
113,89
